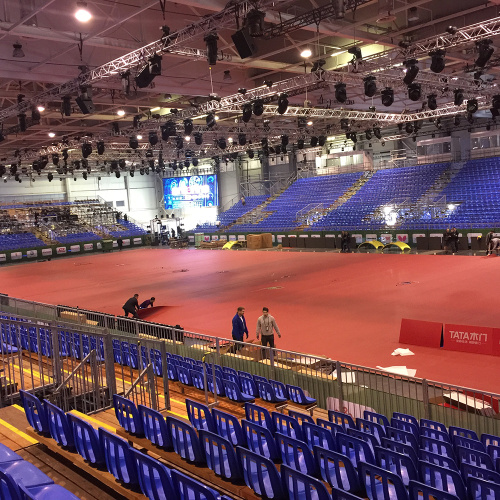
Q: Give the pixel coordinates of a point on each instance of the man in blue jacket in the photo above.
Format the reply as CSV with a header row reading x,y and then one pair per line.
x,y
239,327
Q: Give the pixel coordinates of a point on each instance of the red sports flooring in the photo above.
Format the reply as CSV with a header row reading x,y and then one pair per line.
x,y
345,306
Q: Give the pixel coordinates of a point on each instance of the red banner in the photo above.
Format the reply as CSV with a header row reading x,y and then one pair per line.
x,y
424,333
476,339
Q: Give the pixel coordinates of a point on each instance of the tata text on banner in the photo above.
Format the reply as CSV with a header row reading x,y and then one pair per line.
x,y
476,339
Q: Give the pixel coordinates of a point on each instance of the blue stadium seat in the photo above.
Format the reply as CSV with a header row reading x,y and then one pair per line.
x,y
227,369
474,457
35,412
24,473
356,449
47,492
442,479
435,434
248,385
59,425
155,427
184,375
460,431
490,439
402,437
279,389
219,384
398,447
127,415
267,393
331,426
463,442
405,418
301,486
87,442
260,439
365,436
300,417
436,459
7,455
421,491
287,425
229,427
296,454
405,426
435,446
376,417
187,488
297,395
341,419
199,415
315,435
220,455
381,484
370,427
198,379
259,415
120,460
468,470
480,489
424,422
397,463
234,393
185,441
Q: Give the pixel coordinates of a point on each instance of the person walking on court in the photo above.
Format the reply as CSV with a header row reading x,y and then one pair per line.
x,y
266,325
239,328
131,306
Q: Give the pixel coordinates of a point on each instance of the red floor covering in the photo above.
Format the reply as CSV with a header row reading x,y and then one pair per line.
x,y
345,306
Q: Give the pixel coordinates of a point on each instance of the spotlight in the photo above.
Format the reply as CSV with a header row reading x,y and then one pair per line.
x,y
411,71
353,137
21,119
100,147
472,106
247,112
387,96
377,133
195,162
188,126
115,127
55,159
84,175
485,52
314,141
452,30
50,176
211,41
242,91
456,121
210,120
300,144
132,173
65,154
494,113
117,174
86,149
222,143
458,98
496,101
268,83
318,65
187,163
149,72
198,139
344,123
84,101
179,144
322,140
437,60
414,91
18,50
431,102
242,139
82,14
250,154
368,134
133,142
258,107
370,86
35,115
409,128
254,22
282,103
153,137
340,92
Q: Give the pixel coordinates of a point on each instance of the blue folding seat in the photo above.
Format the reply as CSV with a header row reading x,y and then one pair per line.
x,y
172,371
424,422
494,452
219,384
287,425
341,419
381,484
259,415
184,375
117,352
435,446
405,418
119,457
228,427
155,356
397,463
185,441
464,442
376,417
248,385
436,459
187,488
234,393
154,427
59,426
267,393
468,470
126,357
47,492
232,377
260,474
405,426
301,417
331,426
343,495
127,415
302,486
442,479
198,379
297,395
296,454
421,491
227,369
260,439
474,457
402,437
365,436
315,435
87,441
435,434
259,378
35,412
178,357
220,455
7,455
355,448
490,439
460,431
191,361
481,489
22,473
373,428
337,470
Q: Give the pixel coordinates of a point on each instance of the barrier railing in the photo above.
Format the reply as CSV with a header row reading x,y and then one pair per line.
x,y
81,366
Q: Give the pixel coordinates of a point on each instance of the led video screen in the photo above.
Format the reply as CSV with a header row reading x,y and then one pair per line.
x,y
192,191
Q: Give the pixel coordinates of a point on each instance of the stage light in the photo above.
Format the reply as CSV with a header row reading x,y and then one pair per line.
x,y
356,53
247,112
179,143
84,175
133,142
258,107
306,53
437,60
340,92
284,140
50,176
250,154
370,86
18,50
314,141
344,123
187,163
387,96
452,30
300,144
195,162
82,14
242,139
495,102
86,149
51,135
354,137
100,147
65,154
210,120
66,105
198,138
494,113
132,172
282,103
115,128
21,120
414,91
318,65
472,106
84,101
35,115
411,71
377,133
188,126
458,97
485,52
222,143
211,41
368,134
309,123
153,137
322,140
120,112
149,72
409,128
187,138
431,102
117,174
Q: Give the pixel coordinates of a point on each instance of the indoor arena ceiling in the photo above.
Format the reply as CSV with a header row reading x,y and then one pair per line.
x,y
49,59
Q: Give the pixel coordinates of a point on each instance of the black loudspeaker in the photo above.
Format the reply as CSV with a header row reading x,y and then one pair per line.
x,y
244,43
86,105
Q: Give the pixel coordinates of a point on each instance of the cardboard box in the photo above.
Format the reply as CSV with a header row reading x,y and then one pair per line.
x,y
254,241
267,240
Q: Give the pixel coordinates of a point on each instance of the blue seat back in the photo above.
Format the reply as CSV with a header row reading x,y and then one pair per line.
x,y
219,385
7,455
35,412
435,434
315,435
266,392
437,459
365,436
373,428
87,441
398,463
341,419
460,431
248,385
435,446
493,452
398,447
155,428
228,426
280,389
128,415
233,392
301,417
260,439
9,488
442,479
380,483
421,491
479,488
154,477
490,439
172,370
59,425
187,488
185,441
198,379
337,470
259,378
356,449
260,474
120,460
199,415
232,377
376,417
303,486
469,470
227,369
331,426
402,437
432,424
287,425
220,455
184,375
296,454
405,418
297,395
259,415
405,426
473,444
474,457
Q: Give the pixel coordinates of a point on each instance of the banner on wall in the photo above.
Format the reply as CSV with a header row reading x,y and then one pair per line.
x,y
279,238
476,339
359,238
232,237
99,245
60,250
223,237
206,238
16,256
369,237
402,237
386,238
74,248
241,237
3,257
138,241
215,237
436,235
46,252
417,235
315,235
88,246
31,254
126,243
